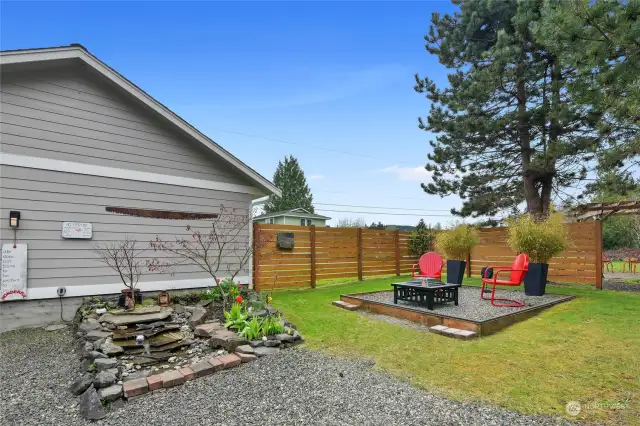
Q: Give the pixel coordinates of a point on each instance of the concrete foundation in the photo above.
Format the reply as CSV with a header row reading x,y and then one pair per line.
x,y
36,313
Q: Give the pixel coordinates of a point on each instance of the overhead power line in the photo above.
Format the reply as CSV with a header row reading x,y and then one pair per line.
x,y
378,207
387,214
320,148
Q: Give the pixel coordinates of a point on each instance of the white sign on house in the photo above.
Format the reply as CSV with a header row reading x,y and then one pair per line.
x,y
77,230
13,283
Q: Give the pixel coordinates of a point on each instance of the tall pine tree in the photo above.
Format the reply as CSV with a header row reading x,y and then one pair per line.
x,y
507,129
289,178
601,39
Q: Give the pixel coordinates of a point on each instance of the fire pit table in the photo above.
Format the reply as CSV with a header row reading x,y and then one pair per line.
x,y
425,292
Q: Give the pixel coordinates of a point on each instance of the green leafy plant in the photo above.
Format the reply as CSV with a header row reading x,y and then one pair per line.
x,y
456,243
226,286
540,238
211,294
252,330
236,317
271,325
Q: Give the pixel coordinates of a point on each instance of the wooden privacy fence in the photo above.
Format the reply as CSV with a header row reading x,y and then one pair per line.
x,y
333,253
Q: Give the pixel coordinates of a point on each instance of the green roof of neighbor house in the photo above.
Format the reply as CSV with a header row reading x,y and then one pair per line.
x,y
299,212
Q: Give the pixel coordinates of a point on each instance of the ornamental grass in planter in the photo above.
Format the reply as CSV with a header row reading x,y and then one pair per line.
x,y
540,238
455,244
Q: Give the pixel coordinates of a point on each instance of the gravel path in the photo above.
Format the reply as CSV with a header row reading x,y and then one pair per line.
x,y
470,306
296,386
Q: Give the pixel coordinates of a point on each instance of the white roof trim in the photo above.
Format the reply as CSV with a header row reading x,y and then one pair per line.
x,y
77,52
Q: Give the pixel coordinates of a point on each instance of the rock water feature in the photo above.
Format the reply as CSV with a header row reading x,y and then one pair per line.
x,y
127,353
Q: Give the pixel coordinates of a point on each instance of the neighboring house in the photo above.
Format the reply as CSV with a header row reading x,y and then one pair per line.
x,y
299,217
77,138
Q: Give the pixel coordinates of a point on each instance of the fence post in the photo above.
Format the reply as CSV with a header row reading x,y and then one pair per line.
x,y
598,235
313,256
468,265
256,261
397,244
359,239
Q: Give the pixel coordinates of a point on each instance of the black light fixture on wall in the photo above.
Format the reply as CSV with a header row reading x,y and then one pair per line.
x,y
14,219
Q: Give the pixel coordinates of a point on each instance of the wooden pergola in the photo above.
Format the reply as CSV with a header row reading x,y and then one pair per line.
x,y
601,211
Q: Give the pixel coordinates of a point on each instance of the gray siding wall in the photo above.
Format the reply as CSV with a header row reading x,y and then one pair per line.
x,y
47,198
68,114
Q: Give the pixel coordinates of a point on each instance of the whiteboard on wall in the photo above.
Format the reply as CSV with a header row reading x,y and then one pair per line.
x,y
13,281
77,230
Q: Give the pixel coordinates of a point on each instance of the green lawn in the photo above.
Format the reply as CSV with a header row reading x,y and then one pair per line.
x,y
585,350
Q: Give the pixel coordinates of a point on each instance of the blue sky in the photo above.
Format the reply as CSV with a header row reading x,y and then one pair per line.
x,y
338,75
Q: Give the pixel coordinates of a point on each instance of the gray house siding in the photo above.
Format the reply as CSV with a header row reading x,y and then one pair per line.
x,y
71,115
68,114
47,198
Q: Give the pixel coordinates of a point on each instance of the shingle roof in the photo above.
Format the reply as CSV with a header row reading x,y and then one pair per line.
x,y
298,212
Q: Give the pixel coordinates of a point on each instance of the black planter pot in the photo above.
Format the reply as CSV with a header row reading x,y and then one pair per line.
x,y
123,296
455,271
535,281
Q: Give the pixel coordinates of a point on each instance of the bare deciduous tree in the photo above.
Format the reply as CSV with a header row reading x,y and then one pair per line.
x,y
124,258
350,222
222,251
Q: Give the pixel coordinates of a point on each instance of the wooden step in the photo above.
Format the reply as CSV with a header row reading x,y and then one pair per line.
x,y
344,305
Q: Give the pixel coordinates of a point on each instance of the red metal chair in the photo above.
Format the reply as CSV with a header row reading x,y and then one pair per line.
x,y
430,266
518,270
634,260
606,263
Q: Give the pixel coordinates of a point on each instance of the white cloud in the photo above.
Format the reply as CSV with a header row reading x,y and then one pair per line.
x,y
316,177
410,174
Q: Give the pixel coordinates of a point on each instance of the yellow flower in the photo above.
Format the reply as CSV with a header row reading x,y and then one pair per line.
x,y
269,299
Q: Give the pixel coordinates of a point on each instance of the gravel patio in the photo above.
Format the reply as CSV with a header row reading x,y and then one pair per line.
x,y
296,386
470,305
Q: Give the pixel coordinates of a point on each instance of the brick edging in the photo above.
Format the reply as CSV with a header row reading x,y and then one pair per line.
x,y
179,376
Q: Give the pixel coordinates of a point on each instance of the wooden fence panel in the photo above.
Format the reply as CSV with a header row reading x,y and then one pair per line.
x,y
331,253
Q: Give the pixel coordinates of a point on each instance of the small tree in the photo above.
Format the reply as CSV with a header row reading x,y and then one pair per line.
x,y
349,222
222,251
124,258
456,243
421,239
540,238
289,178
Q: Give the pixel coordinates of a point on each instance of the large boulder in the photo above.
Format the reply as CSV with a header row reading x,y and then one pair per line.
x,y
90,406
86,327
110,393
95,355
104,379
264,350
226,339
108,348
82,384
103,364
198,315
94,335
285,338
207,330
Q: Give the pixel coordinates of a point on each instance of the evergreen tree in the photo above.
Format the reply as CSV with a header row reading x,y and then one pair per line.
x,y
421,240
507,129
601,39
289,178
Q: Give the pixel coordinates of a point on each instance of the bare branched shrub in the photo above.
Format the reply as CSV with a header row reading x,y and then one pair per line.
x,y
223,251
124,258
